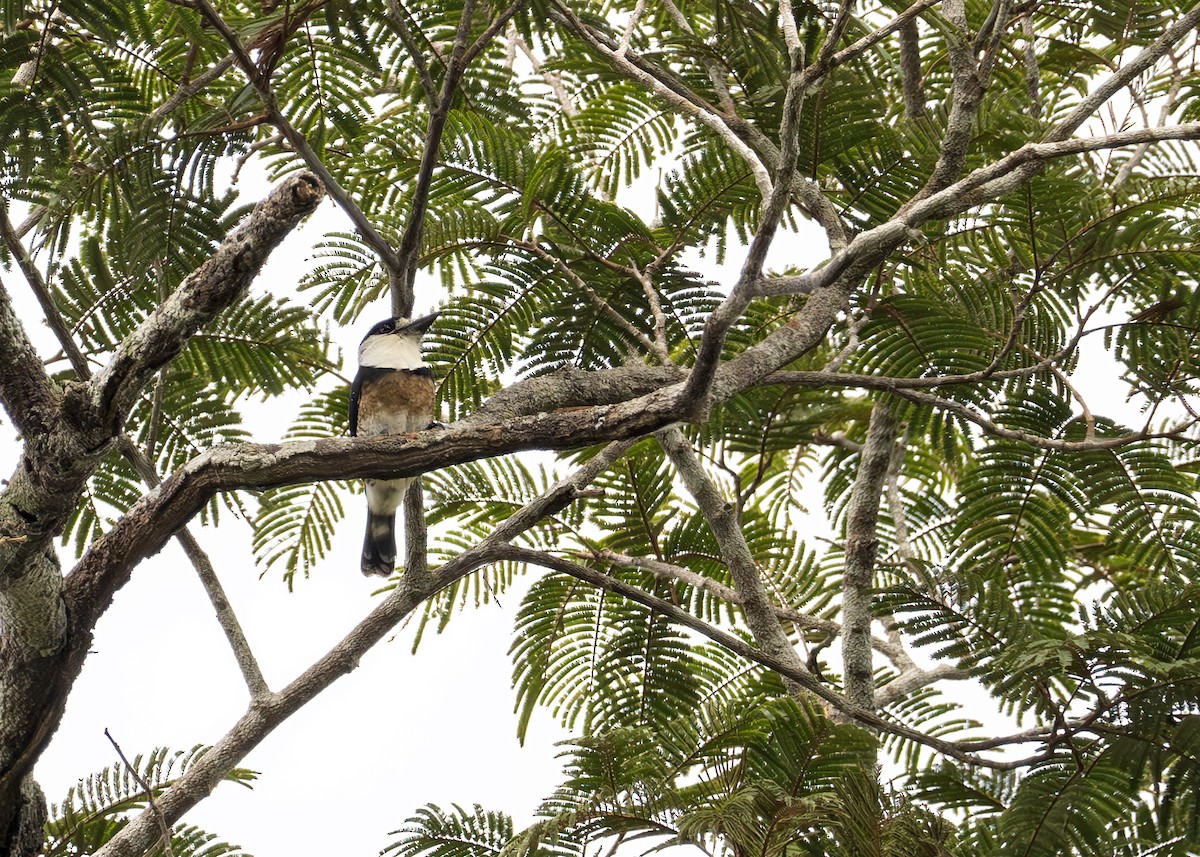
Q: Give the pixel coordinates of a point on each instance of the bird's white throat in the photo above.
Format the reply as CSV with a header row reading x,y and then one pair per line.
x,y
390,352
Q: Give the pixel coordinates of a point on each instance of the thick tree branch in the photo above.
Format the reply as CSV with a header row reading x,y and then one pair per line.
x,y
861,546
725,524
207,291
26,391
266,714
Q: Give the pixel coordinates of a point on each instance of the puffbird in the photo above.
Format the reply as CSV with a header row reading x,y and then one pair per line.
x,y
391,394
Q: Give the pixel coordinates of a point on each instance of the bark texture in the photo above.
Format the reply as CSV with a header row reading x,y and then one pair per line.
x,y
862,544
65,432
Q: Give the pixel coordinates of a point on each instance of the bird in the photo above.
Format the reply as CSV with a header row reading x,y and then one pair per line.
x,y
392,393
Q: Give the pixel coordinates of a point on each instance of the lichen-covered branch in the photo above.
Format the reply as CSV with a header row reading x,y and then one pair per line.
x,y
724,522
861,546
208,290
64,436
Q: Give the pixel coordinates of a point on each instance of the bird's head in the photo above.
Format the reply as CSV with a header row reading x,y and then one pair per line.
x,y
395,343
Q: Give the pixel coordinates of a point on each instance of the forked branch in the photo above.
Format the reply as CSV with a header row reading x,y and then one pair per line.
x,y
267,713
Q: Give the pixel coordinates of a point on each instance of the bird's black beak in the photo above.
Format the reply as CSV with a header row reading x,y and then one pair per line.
x,y
418,325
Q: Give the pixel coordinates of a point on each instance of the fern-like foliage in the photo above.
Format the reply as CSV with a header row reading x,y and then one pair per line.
x,y
94,811
294,524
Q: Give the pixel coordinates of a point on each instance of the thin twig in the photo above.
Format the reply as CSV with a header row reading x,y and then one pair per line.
x,y
1169,105
397,17
739,646
226,617
552,79
688,104
654,300
667,571
163,828
657,349
41,291
299,143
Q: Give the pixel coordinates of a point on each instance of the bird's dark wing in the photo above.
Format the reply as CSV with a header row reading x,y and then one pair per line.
x,y
355,395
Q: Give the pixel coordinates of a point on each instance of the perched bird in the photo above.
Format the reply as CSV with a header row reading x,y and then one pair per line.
x,y
391,394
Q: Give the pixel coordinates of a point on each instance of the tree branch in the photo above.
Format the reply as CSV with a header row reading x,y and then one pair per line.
x,y
694,398
910,70
676,95
861,546
39,651
880,33
982,185
42,292
207,291
226,618
187,90
804,621
968,84
26,391
387,255
723,521
396,15
1149,55
266,714
402,281
740,647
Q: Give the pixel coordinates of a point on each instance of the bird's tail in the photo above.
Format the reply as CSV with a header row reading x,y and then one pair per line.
x,y
379,547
